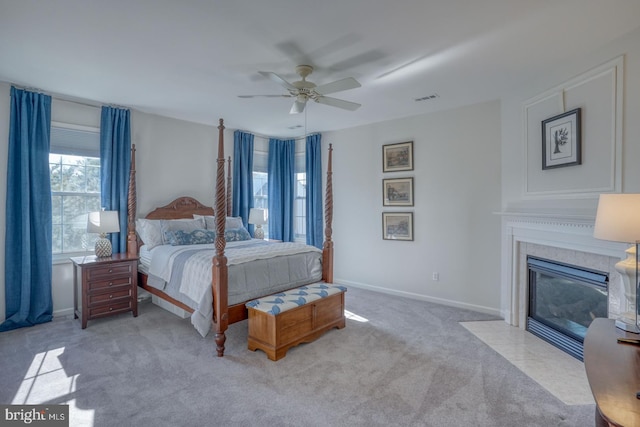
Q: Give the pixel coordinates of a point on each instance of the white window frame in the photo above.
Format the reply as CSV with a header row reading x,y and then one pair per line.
x,y
64,256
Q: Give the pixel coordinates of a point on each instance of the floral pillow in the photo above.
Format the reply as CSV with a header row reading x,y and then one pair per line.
x,y
186,225
195,237
236,234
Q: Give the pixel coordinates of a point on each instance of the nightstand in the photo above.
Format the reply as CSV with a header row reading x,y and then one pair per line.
x,y
104,286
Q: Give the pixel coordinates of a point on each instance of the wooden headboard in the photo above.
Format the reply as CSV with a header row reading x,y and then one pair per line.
x,y
182,207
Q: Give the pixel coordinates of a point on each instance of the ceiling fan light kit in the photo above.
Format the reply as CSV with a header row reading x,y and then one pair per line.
x,y
303,90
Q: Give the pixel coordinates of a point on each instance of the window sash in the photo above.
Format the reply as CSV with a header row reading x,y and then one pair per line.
x,y
74,167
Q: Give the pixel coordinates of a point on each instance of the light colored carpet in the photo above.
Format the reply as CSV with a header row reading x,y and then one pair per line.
x,y
398,362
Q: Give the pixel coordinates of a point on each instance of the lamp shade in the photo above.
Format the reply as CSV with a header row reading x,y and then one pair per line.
x,y
257,216
618,218
103,222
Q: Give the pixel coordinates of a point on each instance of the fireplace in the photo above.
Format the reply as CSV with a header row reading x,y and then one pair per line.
x,y
563,301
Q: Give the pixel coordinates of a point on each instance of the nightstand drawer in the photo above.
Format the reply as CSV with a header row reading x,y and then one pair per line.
x,y
100,285
110,296
110,270
109,309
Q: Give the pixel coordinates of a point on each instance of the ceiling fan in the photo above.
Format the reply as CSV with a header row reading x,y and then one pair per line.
x,y
303,90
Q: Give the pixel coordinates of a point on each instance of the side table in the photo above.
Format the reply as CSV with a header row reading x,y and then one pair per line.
x,y
104,286
613,371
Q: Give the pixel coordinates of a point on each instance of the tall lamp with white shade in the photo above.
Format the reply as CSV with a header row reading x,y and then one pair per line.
x,y
258,217
618,220
103,222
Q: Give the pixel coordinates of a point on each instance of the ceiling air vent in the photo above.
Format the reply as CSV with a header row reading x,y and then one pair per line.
x,y
428,97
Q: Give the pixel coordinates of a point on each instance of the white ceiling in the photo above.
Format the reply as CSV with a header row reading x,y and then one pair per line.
x,y
190,59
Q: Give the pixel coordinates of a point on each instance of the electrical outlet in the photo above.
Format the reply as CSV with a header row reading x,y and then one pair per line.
x,y
435,276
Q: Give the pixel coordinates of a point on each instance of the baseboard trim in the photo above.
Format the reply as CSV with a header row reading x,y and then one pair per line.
x,y
411,295
63,312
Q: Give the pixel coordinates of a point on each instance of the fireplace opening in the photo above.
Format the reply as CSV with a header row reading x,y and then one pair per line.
x,y
563,301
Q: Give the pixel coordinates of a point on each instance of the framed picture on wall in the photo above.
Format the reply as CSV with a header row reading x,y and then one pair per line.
x,y
397,225
397,192
561,140
397,157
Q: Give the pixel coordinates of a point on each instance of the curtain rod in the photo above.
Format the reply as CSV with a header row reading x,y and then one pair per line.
x,y
65,98
276,137
89,103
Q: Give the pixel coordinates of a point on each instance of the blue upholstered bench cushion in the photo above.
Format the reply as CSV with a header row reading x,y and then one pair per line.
x,y
283,301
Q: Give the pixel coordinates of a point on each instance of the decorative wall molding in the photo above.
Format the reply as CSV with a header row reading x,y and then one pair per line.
x,y
554,101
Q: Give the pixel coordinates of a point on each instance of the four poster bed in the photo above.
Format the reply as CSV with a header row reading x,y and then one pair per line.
x,y
217,301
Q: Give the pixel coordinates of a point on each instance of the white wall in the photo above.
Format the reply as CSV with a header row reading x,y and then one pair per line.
x,y
174,158
514,143
457,190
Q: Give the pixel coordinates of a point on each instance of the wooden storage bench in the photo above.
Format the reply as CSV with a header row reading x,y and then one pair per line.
x,y
281,321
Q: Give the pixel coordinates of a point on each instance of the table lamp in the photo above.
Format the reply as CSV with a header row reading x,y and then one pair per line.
x,y
103,222
258,217
618,220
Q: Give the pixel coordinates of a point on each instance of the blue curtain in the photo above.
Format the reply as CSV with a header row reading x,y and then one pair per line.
x,y
243,176
313,202
28,213
281,169
115,160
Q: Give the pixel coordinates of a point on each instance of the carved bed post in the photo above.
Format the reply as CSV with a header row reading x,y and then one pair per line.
x,y
229,201
327,249
219,269
132,240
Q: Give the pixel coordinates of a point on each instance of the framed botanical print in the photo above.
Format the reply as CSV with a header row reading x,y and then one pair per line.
x,y
397,157
561,140
397,192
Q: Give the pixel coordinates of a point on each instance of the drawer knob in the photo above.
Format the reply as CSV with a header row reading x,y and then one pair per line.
x,y
110,296
110,308
110,283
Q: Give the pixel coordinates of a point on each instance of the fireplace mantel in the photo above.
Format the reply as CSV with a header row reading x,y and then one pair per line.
x,y
569,237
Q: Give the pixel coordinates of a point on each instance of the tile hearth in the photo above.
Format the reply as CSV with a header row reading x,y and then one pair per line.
x,y
559,373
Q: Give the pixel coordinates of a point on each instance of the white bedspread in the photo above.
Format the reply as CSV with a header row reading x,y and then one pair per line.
x,y
196,277
195,281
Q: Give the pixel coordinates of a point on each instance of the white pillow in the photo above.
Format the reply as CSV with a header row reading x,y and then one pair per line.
x,y
149,232
230,221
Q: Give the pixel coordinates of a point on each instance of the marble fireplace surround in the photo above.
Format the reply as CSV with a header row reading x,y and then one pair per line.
x,y
567,239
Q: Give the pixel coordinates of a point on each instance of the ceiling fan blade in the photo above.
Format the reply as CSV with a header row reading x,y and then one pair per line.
x,y
264,96
276,78
297,107
337,86
334,102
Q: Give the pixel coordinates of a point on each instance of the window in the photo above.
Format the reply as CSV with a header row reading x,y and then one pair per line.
x,y
261,186
300,194
261,195
299,208
74,168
